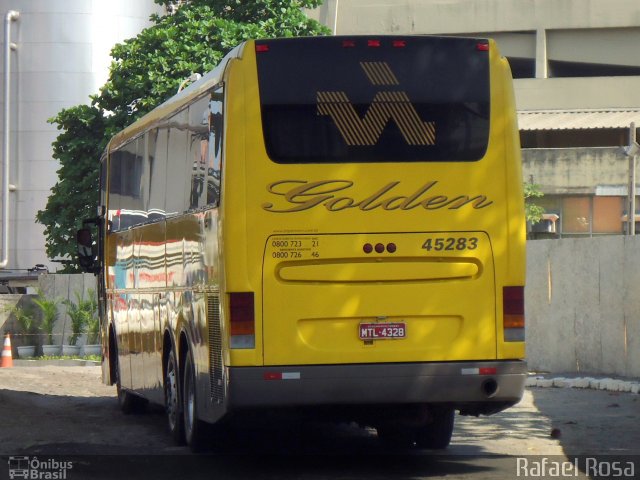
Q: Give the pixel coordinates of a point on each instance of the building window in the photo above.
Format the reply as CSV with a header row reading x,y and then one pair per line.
x,y
607,214
576,215
584,216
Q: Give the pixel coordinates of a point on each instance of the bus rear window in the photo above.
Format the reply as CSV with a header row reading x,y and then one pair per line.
x,y
382,99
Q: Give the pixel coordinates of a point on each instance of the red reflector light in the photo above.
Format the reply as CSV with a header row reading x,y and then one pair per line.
x,y
374,43
513,300
379,247
367,248
273,376
488,371
513,307
261,48
391,248
348,44
482,47
399,43
242,313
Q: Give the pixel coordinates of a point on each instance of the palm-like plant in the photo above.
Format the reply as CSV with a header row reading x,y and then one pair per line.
x,y
49,310
80,312
93,322
25,318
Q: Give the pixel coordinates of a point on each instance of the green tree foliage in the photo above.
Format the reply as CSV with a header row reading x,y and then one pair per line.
x,y
147,70
533,212
75,195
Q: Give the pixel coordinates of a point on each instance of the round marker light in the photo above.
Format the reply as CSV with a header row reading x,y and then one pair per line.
x,y
379,247
391,247
367,248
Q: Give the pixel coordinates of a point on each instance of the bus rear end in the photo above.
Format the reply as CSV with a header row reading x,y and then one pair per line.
x,y
377,266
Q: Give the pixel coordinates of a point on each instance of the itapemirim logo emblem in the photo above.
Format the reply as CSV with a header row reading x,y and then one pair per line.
x,y
386,106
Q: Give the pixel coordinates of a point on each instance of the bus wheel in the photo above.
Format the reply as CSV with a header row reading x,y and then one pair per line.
x,y
172,399
437,434
194,429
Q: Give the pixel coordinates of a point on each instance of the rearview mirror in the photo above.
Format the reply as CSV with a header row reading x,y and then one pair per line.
x,y
86,257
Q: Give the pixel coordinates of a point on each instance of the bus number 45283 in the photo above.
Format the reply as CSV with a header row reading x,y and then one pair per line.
x,y
450,244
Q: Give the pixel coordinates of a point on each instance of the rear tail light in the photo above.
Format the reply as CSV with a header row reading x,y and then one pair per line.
x,y
262,48
242,321
374,43
513,311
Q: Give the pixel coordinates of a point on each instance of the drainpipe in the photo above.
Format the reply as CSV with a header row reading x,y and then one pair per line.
x,y
11,16
631,151
335,18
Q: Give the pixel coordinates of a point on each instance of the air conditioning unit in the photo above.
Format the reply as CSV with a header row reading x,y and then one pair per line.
x,y
547,224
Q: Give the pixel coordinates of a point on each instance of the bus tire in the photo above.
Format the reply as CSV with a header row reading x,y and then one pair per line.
x,y
437,434
194,429
175,419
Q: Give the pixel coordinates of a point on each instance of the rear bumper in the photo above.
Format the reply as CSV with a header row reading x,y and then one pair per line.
x,y
457,383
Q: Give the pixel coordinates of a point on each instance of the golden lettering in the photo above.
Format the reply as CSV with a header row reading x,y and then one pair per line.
x,y
298,194
334,205
434,203
301,195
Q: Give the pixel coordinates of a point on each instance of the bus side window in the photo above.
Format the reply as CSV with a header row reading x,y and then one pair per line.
x,y
197,154
115,181
178,173
214,160
158,139
125,202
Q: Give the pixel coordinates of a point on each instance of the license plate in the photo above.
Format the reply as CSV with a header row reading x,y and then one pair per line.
x,y
382,331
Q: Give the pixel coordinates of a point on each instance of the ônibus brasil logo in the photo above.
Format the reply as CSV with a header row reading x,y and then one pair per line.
x,y
32,468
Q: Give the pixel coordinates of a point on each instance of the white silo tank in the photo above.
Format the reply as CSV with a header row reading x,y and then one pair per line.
x,y
61,57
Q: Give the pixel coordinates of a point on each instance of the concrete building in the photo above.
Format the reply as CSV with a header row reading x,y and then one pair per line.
x,y
58,54
576,65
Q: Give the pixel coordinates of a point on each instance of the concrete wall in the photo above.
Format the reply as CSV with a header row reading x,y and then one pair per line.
x,y
7,302
577,93
583,313
463,16
576,170
53,286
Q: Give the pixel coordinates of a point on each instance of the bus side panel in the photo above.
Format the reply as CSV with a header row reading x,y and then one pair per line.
x,y
511,271
150,274
122,279
241,262
192,273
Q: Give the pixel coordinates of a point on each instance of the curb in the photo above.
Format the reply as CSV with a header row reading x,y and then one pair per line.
x,y
58,363
608,384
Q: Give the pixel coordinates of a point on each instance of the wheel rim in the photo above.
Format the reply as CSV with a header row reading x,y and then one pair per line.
x,y
172,395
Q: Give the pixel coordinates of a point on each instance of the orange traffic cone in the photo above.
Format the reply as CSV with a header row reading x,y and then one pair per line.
x,y
7,358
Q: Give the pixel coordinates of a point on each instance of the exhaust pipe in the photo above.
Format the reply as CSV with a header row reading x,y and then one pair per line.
x,y
489,387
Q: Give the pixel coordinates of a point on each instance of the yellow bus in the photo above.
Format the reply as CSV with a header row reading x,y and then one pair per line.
x,y
329,224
